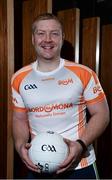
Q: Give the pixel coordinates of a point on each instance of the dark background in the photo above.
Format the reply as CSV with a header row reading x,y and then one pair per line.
x,y
88,8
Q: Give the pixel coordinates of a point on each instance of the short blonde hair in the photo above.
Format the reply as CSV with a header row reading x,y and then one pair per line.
x,y
46,16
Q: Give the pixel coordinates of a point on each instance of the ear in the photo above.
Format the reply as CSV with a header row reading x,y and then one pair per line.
x,y
63,36
32,39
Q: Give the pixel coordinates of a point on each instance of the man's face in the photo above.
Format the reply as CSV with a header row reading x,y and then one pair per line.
x,y
47,39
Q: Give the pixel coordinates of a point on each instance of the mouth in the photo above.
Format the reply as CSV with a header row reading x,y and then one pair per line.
x,y
47,47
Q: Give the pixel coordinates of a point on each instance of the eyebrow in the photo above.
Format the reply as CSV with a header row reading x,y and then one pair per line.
x,y
45,30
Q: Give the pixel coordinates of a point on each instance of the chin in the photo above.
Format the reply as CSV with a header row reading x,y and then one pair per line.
x,y
48,57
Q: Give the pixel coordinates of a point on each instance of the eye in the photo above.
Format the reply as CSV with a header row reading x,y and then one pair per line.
x,y
39,33
55,34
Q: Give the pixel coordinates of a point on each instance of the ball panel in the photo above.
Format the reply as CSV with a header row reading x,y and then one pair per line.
x,y
49,157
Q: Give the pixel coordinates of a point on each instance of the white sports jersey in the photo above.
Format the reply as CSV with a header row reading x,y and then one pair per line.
x,y
57,100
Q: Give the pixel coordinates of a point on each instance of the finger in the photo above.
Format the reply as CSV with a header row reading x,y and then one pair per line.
x,y
28,161
27,145
67,141
63,169
35,168
68,160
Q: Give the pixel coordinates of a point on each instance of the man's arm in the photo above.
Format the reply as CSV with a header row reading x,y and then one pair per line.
x,y
21,136
20,129
98,122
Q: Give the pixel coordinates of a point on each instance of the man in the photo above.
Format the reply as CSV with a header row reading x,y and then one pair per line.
x,y
53,94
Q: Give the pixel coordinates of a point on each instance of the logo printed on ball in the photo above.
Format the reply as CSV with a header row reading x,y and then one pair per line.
x,y
46,166
40,166
48,148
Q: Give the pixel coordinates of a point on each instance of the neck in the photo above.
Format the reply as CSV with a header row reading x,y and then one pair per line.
x,y
48,65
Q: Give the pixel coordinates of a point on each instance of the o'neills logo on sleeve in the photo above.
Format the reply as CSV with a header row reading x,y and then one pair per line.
x,y
50,108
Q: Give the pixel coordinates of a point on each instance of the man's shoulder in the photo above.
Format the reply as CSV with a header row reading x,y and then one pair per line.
x,y
77,66
22,71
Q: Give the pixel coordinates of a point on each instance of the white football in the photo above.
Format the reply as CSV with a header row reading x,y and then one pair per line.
x,y
48,150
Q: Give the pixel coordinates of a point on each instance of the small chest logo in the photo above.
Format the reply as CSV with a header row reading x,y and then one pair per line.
x,y
66,81
30,86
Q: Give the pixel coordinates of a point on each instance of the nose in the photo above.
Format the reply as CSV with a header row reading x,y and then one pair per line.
x,y
48,37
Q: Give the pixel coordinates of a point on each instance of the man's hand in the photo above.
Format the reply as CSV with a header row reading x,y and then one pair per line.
x,y
74,155
23,152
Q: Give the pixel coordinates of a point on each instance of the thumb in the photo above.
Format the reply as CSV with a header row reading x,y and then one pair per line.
x,y
67,141
27,145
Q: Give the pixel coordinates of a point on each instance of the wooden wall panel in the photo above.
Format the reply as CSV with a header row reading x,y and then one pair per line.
x,y
10,71
3,85
105,142
71,23
31,9
6,70
91,43
100,61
